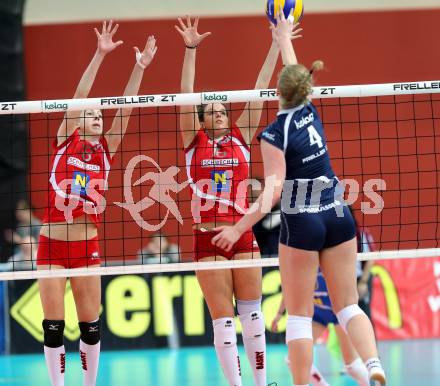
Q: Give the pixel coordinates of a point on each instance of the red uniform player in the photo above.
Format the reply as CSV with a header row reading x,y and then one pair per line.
x,y
218,171
217,159
69,235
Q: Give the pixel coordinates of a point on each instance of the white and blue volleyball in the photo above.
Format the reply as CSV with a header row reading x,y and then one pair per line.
x,y
291,8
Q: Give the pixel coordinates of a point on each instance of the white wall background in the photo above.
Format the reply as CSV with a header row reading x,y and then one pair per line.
x,y
64,11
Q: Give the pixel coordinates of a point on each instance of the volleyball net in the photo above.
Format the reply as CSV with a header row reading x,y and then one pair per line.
x,y
383,142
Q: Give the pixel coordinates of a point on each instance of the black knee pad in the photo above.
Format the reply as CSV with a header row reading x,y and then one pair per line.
x,y
90,332
53,333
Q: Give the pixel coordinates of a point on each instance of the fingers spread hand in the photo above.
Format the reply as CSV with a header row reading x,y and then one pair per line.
x,y
115,28
109,26
179,30
206,34
182,24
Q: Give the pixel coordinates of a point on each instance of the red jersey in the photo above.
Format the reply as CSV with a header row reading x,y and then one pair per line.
x,y
78,179
218,171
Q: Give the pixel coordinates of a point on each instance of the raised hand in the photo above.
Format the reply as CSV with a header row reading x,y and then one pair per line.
x,y
145,57
294,34
105,38
189,32
284,28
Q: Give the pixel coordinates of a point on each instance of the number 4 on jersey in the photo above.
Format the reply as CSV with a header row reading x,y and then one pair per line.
x,y
315,138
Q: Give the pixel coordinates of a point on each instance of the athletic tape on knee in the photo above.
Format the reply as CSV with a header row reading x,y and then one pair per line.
x,y
253,324
224,332
53,333
298,327
245,307
90,332
348,313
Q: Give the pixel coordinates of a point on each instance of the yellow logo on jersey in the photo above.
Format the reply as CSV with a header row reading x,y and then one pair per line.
x,y
220,178
220,182
317,301
80,181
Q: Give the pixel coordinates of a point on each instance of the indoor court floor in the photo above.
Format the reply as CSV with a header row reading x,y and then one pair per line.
x,y
408,363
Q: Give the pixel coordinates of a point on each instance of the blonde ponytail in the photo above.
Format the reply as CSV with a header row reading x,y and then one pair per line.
x,y
295,83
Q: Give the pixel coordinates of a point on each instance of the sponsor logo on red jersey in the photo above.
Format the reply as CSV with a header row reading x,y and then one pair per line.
x,y
226,162
220,181
83,165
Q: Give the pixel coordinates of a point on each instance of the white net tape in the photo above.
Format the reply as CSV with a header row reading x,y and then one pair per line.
x,y
355,91
202,265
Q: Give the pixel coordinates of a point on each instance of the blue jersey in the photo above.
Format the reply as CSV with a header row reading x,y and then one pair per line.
x,y
313,211
311,185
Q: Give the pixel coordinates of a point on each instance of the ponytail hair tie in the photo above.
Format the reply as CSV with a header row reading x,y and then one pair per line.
x,y
317,65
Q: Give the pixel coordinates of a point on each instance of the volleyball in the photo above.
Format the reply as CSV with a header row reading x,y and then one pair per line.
x,y
291,8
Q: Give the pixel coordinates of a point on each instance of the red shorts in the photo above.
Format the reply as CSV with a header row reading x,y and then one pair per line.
x,y
69,254
204,248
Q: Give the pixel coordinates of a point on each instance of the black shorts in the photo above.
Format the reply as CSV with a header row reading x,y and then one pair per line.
x,y
317,231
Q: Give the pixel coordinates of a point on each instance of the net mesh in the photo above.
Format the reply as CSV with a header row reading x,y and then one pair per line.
x,y
384,147
392,139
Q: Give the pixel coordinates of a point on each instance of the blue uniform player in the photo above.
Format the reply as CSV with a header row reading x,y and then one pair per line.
x,y
311,188
322,312
317,229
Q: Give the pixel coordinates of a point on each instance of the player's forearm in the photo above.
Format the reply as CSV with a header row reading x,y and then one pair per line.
x,y
188,70
134,83
268,68
132,88
254,215
287,51
88,78
260,208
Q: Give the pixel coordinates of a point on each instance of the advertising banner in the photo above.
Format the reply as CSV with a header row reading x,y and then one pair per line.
x,y
406,298
168,310
138,311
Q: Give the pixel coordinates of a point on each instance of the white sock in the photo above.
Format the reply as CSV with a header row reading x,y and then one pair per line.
x,y
254,340
373,362
358,372
225,342
230,363
316,378
56,364
256,352
89,355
